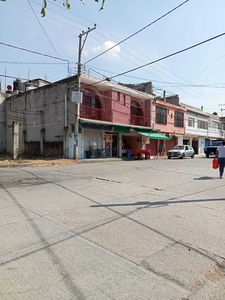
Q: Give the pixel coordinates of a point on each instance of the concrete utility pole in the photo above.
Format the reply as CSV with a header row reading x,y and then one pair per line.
x,y
77,108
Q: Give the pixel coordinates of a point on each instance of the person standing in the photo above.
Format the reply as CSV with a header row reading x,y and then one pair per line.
x,y
220,155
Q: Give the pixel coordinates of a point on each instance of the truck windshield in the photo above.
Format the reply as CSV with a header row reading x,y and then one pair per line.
x,y
216,143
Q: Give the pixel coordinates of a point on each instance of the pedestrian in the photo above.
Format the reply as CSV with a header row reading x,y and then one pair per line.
x,y
220,155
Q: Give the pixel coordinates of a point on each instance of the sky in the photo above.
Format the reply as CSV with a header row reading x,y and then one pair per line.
x,y
196,75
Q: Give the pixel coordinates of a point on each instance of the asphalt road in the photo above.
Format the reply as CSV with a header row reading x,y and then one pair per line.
x,y
113,230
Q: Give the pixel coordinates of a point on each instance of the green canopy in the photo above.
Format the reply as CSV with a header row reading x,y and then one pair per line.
x,y
154,135
121,129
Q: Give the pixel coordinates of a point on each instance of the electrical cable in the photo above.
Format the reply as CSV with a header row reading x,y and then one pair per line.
x,y
35,52
143,28
130,47
43,29
170,55
29,63
126,51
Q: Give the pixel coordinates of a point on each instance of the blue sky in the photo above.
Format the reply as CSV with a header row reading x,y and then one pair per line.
x,y
197,75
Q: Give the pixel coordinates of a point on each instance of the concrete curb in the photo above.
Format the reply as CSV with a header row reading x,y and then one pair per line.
x,y
53,163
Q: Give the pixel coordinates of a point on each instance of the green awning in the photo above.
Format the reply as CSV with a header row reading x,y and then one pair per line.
x,y
158,136
154,135
116,127
121,129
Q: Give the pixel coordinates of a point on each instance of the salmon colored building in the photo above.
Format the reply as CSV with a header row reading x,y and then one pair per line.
x,y
168,117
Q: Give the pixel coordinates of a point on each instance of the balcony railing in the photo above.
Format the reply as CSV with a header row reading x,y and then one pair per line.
x,y
139,120
93,113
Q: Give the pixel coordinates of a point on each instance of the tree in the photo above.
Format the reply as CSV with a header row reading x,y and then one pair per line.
x,y
66,4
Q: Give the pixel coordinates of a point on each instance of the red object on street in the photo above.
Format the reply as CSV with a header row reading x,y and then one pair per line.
x,y
139,153
215,164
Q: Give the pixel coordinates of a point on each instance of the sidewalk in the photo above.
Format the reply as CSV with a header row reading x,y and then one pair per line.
x,y
54,162
7,162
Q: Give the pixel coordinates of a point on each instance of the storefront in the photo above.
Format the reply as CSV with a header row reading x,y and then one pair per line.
x,y
105,139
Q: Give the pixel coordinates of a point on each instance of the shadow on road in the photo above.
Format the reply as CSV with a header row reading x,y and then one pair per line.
x,y
158,203
46,246
206,178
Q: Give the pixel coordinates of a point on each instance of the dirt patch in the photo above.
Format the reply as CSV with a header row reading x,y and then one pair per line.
x,y
36,162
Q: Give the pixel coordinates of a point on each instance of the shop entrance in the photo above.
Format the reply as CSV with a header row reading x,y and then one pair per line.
x,y
111,145
195,146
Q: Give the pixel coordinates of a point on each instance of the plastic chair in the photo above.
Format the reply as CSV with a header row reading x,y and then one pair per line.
x,y
128,154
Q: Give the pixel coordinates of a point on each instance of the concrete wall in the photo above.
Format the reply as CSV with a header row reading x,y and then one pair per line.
x,y
2,123
40,110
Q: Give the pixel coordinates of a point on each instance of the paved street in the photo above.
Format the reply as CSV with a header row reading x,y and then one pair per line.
x,y
115,230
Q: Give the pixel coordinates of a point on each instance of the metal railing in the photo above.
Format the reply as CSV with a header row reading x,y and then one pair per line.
x,y
139,120
90,112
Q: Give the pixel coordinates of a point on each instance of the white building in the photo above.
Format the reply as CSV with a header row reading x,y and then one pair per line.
x,y
196,129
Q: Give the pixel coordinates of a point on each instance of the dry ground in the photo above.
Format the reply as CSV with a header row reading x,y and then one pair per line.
x,y
7,161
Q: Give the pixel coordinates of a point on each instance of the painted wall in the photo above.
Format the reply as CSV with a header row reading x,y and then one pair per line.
x,y
169,127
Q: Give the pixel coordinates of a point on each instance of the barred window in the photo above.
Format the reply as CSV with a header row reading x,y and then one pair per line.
x,y
161,115
202,124
178,119
118,96
191,122
124,99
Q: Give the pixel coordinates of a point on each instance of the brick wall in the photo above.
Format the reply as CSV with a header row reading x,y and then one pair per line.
x,y
120,107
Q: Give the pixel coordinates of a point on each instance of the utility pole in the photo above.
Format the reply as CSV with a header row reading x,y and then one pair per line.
x,y
77,107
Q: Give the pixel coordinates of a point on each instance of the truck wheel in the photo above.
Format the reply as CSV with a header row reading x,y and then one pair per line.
x,y
207,155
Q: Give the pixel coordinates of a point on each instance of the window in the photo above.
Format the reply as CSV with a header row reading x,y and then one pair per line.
x,y
136,109
178,119
161,115
91,101
202,124
91,107
124,100
191,122
118,96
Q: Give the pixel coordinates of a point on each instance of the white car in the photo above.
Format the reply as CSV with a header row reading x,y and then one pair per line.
x,y
181,151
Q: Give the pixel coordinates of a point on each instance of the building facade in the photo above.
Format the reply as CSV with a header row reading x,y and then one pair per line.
x,y
196,129
42,120
2,122
169,117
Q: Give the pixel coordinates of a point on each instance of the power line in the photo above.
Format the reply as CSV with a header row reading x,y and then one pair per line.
x,y
35,52
42,28
170,55
124,50
182,85
143,28
165,82
12,76
29,63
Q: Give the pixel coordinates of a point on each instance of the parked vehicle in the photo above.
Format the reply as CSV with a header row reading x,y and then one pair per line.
x,y
181,151
211,150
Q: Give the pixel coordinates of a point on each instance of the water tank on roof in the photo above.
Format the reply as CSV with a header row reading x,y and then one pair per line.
x,y
17,85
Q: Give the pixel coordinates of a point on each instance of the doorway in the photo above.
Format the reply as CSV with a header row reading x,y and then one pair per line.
x,y
111,145
195,146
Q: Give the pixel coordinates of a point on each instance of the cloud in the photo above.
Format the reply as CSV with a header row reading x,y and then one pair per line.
x,y
113,53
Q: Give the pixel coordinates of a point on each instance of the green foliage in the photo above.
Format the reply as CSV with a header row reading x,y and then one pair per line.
x,y
66,4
